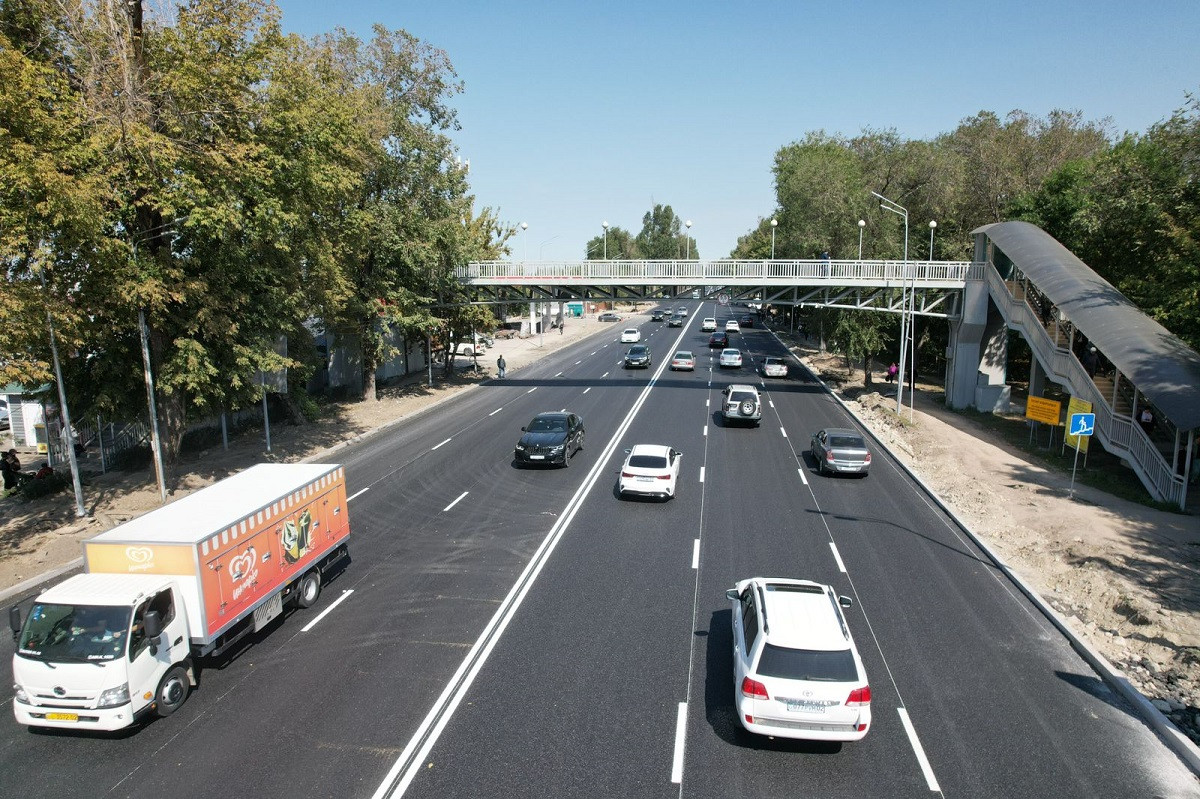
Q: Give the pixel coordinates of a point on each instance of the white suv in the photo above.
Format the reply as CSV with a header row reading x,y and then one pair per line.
x,y
796,671
708,325
741,404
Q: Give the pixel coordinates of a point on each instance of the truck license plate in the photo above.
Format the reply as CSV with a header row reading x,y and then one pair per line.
x,y
62,717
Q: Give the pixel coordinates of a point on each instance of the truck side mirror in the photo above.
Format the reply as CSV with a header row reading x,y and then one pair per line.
x,y
153,625
14,620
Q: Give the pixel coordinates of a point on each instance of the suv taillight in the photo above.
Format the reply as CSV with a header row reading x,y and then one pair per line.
x,y
753,688
859,697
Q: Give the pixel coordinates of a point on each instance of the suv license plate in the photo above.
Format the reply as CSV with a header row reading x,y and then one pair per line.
x,y
537,457
805,707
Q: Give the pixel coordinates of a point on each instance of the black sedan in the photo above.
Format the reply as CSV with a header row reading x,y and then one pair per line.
x,y
657,316
747,321
718,339
550,438
638,357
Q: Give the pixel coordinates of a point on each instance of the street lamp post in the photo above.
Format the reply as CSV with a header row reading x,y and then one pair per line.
x,y
604,225
862,223
932,227
69,432
899,210
524,229
688,252
774,224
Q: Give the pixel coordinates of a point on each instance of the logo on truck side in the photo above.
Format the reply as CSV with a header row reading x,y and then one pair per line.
x,y
140,558
243,569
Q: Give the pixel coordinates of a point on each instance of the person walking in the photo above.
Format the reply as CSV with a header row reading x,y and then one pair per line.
x,y
892,371
501,366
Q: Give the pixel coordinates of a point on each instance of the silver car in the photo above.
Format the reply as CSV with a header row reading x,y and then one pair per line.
x,y
838,449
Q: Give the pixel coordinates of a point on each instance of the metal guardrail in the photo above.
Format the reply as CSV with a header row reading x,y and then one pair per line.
x,y
926,274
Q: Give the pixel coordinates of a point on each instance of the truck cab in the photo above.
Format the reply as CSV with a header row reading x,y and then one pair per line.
x,y
101,651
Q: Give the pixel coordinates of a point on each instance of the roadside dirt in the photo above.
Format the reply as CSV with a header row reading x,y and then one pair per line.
x,y
1123,574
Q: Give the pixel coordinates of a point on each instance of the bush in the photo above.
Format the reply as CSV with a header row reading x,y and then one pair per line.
x,y
35,489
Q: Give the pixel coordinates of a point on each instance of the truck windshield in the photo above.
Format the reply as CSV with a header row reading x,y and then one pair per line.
x,y
74,633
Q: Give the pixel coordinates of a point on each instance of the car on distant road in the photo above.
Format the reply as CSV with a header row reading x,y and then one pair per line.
x,y
747,321
774,367
840,450
682,310
683,361
675,321
730,358
649,470
638,357
732,326
630,334
657,316
708,324
741,403
608,316
718,339
550,438
796,670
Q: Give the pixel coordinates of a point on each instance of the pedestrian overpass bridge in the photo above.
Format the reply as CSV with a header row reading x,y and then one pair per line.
x,y
1021,279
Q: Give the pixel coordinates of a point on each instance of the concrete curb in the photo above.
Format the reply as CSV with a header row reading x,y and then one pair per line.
x,y
34,582
1171,735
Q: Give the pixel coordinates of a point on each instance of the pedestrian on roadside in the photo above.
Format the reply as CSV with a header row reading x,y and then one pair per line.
x,y
892,371
1147,421
10,464
1091,361
501,366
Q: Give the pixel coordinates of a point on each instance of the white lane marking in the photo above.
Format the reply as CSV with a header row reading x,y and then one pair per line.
x,y
706,430
360,493
530,391
696,554
345,595
771,403
702,474
604,375
586,390
444,443
783,431
493,413
837,556
680,735
578,362
455,502
560,374
917,750
707,403
803,478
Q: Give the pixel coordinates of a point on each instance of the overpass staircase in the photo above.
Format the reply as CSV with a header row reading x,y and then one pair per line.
x,y
1113,397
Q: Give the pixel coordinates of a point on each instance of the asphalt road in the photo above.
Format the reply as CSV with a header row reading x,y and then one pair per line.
x,y
523,632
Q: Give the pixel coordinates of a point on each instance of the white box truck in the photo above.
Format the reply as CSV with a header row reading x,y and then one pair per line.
x,y
103,649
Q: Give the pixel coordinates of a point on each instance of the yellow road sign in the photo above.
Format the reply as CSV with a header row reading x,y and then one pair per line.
x,y
1076,405
1040,409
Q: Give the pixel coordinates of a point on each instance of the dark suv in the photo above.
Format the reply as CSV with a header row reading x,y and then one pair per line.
x,y
550,438
638,357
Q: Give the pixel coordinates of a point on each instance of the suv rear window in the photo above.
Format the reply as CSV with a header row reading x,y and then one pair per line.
x,y
741,396
807,664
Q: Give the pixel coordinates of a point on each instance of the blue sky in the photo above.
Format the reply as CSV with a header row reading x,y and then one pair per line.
x,y
574,114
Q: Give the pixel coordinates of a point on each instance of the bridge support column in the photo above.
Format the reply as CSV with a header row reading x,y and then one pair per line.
x,y
1037,378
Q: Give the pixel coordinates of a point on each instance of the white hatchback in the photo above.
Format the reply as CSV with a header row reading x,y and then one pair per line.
x,y
651,470
631,335
796,671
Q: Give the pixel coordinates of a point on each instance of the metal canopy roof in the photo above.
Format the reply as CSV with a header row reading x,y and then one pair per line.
x,y
1159,363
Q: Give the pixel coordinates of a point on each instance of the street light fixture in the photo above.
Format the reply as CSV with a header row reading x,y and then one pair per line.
x,y
862,223
524,228
774,224
688,252
895,208
932,227
604,225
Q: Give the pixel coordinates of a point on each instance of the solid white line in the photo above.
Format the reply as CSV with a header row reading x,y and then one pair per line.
x,y
917,750
696,554
701,474
530,391
345,595
455,502
586,390
837,557
803,479
680,735
447,441
360,493
783,431
493,413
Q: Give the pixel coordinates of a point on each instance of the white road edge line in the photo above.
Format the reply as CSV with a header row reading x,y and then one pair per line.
x,y
455,502
696,554
345,595
803,478
918,751
493,413
360,493
680,736
447,441
837,557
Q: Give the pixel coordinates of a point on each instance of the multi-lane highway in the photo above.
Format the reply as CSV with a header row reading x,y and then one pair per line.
x,y
518,632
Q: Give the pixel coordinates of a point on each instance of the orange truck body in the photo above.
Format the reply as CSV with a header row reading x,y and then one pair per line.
x,y
235,544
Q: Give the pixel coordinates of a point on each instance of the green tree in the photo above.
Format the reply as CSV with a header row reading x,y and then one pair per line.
x,y
662,236
621,246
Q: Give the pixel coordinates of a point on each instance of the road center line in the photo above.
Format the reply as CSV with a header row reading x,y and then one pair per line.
x,y
360,493
345,595
926,769
493,413
447,441
837,557
701,474
578,362
706,431
680,736
696,554
783,431
803,478
455,502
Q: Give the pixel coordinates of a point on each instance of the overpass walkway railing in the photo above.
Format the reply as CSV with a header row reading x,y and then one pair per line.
x,y
1117,432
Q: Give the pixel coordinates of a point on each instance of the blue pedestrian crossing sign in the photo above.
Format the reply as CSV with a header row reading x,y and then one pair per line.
x,y
1082,424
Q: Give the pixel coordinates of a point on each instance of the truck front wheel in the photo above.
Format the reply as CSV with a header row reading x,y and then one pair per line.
x,y
172,691
309,589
